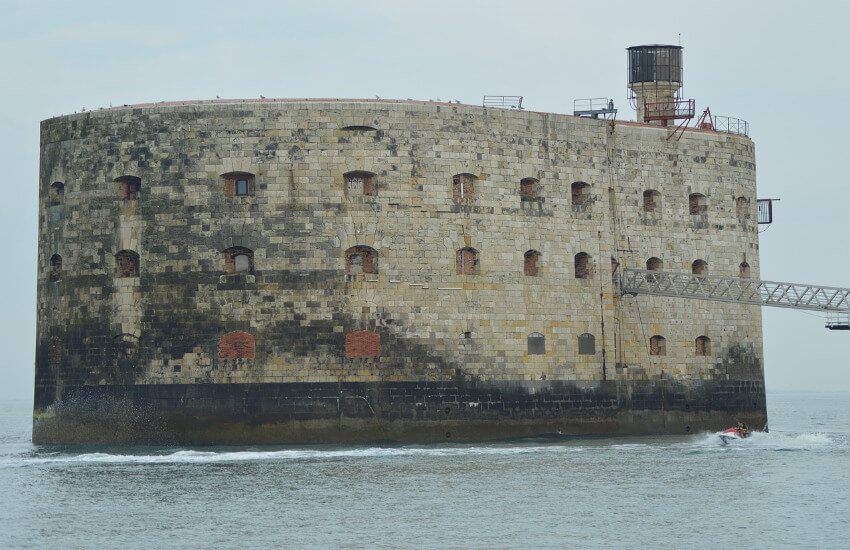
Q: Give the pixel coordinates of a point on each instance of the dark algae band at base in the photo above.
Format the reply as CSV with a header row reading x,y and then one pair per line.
x,y
331,413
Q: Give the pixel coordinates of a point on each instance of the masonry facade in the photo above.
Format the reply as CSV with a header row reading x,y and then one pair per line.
x,y
356,270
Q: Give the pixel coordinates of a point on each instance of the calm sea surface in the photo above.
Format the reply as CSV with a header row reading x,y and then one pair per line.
x,y
786,489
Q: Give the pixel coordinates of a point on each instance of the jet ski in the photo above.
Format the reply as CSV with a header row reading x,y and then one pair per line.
x,y
733,434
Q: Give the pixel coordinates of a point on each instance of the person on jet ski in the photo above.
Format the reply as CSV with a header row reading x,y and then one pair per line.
x,y
743,430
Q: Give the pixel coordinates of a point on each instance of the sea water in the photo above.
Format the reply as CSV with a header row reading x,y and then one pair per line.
x,y
789,488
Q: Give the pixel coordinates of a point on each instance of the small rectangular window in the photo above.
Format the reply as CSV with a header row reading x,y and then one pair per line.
x,y
242,188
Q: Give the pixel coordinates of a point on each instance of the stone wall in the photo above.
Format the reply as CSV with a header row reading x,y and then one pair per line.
x,y
301,294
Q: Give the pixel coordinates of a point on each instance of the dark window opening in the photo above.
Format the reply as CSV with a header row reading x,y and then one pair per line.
x,y
657,345
129,188
536,344
238,184
582,265
697,204
699,267
586,344
651,201
55,267
359,128
528,189
359,183
530,264
580,195
703,346
744,270
654,264
238,259
466,261
361,259
127,264
57,193
463,186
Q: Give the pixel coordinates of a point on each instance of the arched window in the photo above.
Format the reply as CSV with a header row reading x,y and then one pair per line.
x,y
697,204
530,264
536,344
359,182
361,259
702,346
651,201
699,267
129,188
582,265
127,264
744,270
742,208
466,261
238,184
362,343
55,267
236,345
654,264
238,259
586,344
580,195
528,189
57,193
657,345
463,186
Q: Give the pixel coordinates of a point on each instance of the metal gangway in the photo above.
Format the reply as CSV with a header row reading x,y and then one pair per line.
x,y
835,301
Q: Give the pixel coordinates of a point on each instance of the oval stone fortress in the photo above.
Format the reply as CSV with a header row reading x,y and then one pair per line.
x,y
272,271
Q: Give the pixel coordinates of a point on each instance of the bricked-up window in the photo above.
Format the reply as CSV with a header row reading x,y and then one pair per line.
x,y
536,344
463,186
238,259
582,265
55,267
127,264
742,208
362,343
651,201
702,346
57,193
466,261
657,345
586,344
236,345
744,270
697,204
699,267
528,189
359,183
530,264
361,259
238,184
126,344
580,195
129,188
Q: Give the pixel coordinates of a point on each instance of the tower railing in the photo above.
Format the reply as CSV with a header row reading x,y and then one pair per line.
x,y
669,110
731,125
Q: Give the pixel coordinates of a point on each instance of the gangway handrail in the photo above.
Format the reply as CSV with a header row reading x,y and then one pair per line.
x,y
735,290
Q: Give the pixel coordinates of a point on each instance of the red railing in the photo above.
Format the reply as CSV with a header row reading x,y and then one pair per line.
x,y
669,110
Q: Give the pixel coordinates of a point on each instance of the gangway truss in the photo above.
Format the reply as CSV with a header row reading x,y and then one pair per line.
x,y
735,290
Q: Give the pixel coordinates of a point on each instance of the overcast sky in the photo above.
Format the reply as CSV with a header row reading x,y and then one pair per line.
x,y
781,66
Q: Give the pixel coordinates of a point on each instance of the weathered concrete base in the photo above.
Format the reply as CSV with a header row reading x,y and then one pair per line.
x,y
348,413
